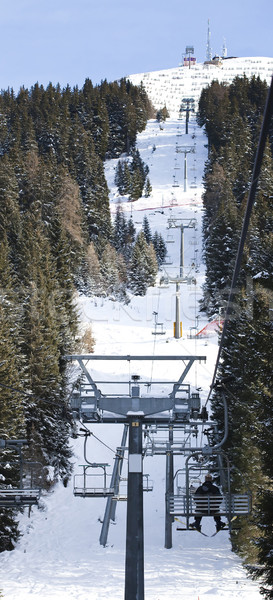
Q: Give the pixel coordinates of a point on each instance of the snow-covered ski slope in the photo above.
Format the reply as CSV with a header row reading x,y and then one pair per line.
x,y
59,556
168,87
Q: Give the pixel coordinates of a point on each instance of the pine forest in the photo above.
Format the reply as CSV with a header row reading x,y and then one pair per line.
x,y
57,237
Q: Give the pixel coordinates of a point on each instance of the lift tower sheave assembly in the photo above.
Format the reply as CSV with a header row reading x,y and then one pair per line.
x,y
187,106
181,224
136,410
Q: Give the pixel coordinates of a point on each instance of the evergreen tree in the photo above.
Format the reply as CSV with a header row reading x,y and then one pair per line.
x,y
119,176
148,188
143,266
160,248
93,264
111,272
123,177
47,420
130,239
146,229
9,205
120,230
162,114
136,188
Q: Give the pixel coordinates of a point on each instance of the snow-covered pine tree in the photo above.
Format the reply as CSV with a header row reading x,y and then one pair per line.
x,y
146,229
160,247
10,224
136,186
147,188
93,270
112,271
118,180
44,332
119,230
143,266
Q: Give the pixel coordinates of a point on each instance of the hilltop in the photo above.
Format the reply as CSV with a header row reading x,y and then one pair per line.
x,y
168,87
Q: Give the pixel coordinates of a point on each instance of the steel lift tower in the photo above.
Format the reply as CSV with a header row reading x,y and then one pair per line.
x,y
187,106
185,150
135,411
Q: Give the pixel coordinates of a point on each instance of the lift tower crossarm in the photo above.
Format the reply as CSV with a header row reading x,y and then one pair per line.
x,y
184,374
80,360
128,357
123,402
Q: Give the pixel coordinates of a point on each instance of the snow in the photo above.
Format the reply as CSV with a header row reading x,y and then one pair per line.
x,y
59,556
169,86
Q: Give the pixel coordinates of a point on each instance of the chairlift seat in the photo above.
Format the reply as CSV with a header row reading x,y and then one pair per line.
x,y
19,497
95,492
120,498
225,505
159,329
92,485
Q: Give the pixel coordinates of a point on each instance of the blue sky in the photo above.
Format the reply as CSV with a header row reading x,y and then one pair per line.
x,y
66,42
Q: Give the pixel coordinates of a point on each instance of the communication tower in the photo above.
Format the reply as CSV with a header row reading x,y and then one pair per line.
x,y
209,52
224,51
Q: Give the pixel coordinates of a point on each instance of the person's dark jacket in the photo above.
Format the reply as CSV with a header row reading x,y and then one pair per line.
x,y
207,489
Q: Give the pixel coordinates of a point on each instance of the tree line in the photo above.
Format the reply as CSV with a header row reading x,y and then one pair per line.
x,y
232,116
56,236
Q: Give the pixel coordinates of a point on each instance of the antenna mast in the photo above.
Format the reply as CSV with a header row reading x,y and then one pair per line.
x,y
224,52
209,53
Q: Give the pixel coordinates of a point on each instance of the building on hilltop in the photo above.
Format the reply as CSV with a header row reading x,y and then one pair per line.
x,y
169,87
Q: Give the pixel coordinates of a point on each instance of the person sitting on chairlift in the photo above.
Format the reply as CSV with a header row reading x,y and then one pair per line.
x,y
207,489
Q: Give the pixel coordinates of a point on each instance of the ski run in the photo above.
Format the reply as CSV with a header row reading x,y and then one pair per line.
x,y
59,556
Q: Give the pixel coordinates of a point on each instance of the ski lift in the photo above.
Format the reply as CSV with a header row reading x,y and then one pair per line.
x,y
147,483
84,403
158,327
167,260
186,503
18,497
164,282
193,184
92,485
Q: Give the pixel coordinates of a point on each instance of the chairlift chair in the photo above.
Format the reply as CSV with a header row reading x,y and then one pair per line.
x,y
92,485
187,504
22,495
18,498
